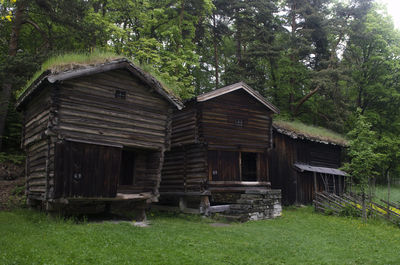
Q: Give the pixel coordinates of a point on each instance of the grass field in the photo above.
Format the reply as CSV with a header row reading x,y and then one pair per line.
x,y
299,237
381,193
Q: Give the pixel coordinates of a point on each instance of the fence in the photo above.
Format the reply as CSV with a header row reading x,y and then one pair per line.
x,y
332,203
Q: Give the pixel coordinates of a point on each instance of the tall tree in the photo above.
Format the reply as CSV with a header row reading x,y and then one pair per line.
x,y
12,51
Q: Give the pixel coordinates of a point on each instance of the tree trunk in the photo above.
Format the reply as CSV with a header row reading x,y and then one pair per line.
x,y
215,54
293,57
364,208
238,37
181,16
12,51
304,99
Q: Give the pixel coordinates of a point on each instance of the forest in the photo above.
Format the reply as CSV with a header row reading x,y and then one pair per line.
x,y
329,63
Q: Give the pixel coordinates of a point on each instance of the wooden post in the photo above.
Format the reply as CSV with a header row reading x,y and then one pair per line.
x,y
184,168
334,184
204,205
315,183
259,167
388,195
351,184
240,166
46,192
344,180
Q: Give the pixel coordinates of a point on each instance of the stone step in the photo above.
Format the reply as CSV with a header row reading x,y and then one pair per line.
x,y
219,208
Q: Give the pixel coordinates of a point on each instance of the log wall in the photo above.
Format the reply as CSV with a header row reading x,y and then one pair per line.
x,y
37,145
147,173
185,126
185,169
36,118
89,110
235,121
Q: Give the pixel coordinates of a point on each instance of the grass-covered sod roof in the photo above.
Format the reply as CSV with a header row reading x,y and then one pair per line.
x,y
74,61
73,65
70,61
297,129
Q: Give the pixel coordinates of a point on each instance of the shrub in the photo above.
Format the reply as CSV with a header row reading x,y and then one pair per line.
x,y
349,211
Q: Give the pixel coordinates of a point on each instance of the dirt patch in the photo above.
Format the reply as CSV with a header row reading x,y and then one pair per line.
x,y
12,186
11,171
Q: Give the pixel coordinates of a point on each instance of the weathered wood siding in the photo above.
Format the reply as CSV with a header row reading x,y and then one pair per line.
x,y
298,186
36,169
223,166
317,154
37,145
281,160
185,169
86,170
36,118
185,126
89,110
226,166
147,172
235,121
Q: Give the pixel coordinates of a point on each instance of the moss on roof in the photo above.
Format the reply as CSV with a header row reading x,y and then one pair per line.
x,y
71,61
297,129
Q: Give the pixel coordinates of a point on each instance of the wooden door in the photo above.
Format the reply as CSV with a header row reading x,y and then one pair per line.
x,y
223,166
86,170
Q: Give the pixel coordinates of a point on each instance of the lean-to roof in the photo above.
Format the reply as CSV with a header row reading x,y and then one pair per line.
x,y
298,130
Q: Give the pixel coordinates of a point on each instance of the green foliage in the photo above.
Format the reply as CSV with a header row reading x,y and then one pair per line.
x,y
17,199
29,237
364,160
349,211
13,158
318,61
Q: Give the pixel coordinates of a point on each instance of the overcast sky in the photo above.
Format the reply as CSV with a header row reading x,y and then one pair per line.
x,y
393,7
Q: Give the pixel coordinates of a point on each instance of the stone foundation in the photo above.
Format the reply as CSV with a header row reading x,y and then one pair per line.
x,y
257,204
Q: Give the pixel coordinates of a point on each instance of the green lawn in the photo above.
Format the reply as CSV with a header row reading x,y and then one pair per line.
x,y
299,237
381,193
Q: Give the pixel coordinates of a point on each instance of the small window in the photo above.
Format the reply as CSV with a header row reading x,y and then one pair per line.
x,y
239,122
120,94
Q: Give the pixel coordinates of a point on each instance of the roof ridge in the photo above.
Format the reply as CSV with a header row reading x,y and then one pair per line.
x,y
233,87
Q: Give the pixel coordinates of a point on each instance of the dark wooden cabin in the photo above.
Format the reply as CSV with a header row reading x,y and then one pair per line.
x,y
219,146
95,133
301,163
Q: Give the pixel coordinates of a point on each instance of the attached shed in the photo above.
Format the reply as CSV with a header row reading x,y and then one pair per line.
x,y
303,161
220,143
95,133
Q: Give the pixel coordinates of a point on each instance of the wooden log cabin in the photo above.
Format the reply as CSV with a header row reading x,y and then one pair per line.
x,y
303,161
219,148
96,133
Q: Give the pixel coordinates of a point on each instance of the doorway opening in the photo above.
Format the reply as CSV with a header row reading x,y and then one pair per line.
x,y
127,175
249,166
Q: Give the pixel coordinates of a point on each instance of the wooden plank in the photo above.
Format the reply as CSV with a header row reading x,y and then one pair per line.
x,y
238,183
